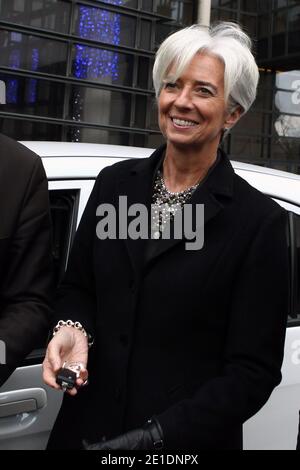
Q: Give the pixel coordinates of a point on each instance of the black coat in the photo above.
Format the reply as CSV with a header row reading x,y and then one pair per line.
x,y
193,337
25,253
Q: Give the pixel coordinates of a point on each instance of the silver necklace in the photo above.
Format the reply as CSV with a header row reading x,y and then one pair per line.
x,y
166,204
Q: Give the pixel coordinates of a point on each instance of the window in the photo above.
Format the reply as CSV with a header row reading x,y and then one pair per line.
x,y
228,3
87,105
24,129
23,51
144,68
294,19
145,35
294,235
126,3
278,44
101,65
104,26
294,42
147,5
33,96
64,206
53,15
249,5
297,261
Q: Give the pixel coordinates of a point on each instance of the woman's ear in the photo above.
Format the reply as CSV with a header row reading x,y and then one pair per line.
x,y
232,117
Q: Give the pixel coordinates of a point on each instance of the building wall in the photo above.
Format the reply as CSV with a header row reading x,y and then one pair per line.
x,y
80,70
269,134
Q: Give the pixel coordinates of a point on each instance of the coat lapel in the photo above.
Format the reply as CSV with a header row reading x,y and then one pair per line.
x,y
137,185
211,209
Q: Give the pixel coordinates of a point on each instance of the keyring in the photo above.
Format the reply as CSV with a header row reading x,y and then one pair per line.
x,y
74,366
79,369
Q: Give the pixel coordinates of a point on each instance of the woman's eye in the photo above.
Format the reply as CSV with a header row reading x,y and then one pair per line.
x,y
204,91
170,85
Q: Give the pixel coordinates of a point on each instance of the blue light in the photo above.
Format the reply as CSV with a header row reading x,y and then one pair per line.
x,y
113,2
98,25
32,84
12,85
90,62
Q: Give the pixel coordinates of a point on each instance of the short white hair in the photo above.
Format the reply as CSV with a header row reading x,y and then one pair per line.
x,y
226,41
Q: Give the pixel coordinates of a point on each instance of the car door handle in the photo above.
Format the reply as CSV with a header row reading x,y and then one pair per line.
x,y
22,401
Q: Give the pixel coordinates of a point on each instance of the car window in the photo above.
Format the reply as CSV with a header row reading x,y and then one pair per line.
x,y
294,250
297,227
64,209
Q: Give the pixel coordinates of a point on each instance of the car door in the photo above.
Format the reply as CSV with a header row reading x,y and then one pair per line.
x,y
28,407
275,426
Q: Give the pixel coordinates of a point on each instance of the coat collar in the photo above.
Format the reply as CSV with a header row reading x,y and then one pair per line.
x,y
220,180
137,183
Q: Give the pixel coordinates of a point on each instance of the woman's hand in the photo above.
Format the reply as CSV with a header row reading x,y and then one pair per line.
x,y
149,437
68,345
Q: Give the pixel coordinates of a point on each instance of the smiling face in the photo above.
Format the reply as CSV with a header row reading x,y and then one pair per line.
x,y
192,111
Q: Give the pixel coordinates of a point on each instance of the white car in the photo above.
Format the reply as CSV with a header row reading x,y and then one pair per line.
x,y
28,408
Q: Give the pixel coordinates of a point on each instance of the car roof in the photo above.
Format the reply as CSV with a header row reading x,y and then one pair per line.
x,y
79,149
88,159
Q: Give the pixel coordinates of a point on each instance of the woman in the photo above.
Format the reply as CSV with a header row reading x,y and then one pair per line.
x,y
188,342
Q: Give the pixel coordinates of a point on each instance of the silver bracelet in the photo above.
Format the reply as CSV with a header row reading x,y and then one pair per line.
x,y
71,324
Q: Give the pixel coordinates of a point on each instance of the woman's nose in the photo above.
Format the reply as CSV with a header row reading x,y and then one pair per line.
x,y
184,99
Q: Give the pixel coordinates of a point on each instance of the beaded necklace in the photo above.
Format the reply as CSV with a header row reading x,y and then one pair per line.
x,y
166,204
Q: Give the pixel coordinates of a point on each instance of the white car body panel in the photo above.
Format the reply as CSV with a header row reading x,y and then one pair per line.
x,y
75,166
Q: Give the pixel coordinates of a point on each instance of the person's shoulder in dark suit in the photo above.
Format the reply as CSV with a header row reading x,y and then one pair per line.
x,y
15,157
26,276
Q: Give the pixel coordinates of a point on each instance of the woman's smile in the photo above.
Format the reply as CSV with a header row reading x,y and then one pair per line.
x,y
183,123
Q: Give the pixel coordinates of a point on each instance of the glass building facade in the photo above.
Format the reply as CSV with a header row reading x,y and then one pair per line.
x,y
269,134
78,70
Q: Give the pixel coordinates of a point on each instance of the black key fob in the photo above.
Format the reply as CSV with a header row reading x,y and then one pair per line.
x,y
66,378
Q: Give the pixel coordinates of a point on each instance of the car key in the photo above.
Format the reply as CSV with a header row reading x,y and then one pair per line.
x,y
66,378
